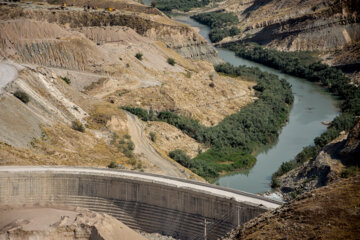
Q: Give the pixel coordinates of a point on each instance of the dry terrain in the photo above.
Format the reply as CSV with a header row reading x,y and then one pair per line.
x,y
62,223
330,212
79,66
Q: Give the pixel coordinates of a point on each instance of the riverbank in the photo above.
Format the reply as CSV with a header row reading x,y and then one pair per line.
x,y
312,105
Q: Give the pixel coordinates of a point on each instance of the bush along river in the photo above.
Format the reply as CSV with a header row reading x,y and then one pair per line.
x,y
312,105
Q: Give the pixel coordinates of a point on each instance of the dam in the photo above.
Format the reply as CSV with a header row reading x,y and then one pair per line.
x,y
151,203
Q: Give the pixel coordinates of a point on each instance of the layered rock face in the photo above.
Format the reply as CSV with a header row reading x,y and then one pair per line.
x,y
182,38
298,25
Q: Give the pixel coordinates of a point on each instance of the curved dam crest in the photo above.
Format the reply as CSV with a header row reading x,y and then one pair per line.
x,y
145,202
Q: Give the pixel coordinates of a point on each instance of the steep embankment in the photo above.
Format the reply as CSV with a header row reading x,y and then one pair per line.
x,y
337,159
330,212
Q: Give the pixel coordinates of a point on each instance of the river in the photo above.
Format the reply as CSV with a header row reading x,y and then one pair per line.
x,y
312,105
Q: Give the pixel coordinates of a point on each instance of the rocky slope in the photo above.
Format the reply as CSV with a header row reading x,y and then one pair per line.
x,y
330,212
334,161
329,27
297,25
61,223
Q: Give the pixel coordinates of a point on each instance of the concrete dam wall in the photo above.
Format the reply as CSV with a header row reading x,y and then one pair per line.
x,y
146,202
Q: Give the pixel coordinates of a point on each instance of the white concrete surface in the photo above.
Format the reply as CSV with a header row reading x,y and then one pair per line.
x,y
179,183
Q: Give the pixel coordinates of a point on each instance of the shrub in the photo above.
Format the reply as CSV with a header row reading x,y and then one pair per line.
x,y
113,165
171,61
181,157
349,172
183,5
234,31
128,153
131,145
139,56
153,4
78,126
274,182
152,136
67,80
22,96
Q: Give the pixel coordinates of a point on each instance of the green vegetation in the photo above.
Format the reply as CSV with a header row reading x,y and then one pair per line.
x,y
123,144
350,171
139,56
171,61
113,165
78,126
182,5
302,64
219,23
153,136
67,80
234,139
22,96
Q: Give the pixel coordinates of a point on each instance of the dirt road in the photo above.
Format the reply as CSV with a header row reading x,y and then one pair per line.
x,y
148,153
8,73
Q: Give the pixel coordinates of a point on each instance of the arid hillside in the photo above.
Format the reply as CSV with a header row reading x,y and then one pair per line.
x,y
297,25
64,74
330,212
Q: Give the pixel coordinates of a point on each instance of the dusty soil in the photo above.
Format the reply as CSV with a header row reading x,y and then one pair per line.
x,y
95,52
330,212
169,138
146,152
61,223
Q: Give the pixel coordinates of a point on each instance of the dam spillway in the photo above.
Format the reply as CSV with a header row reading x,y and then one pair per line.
x,y
146,202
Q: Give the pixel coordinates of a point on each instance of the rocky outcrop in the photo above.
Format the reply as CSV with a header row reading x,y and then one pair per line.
x,y
64,223
351,149
298,25
311,175
326,167
330,212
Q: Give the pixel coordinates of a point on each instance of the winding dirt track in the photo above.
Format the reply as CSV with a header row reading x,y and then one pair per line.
x,y
148,153
8,74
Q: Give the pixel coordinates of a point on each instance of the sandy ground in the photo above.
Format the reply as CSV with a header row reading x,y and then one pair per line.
x,y
8,73
61,223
